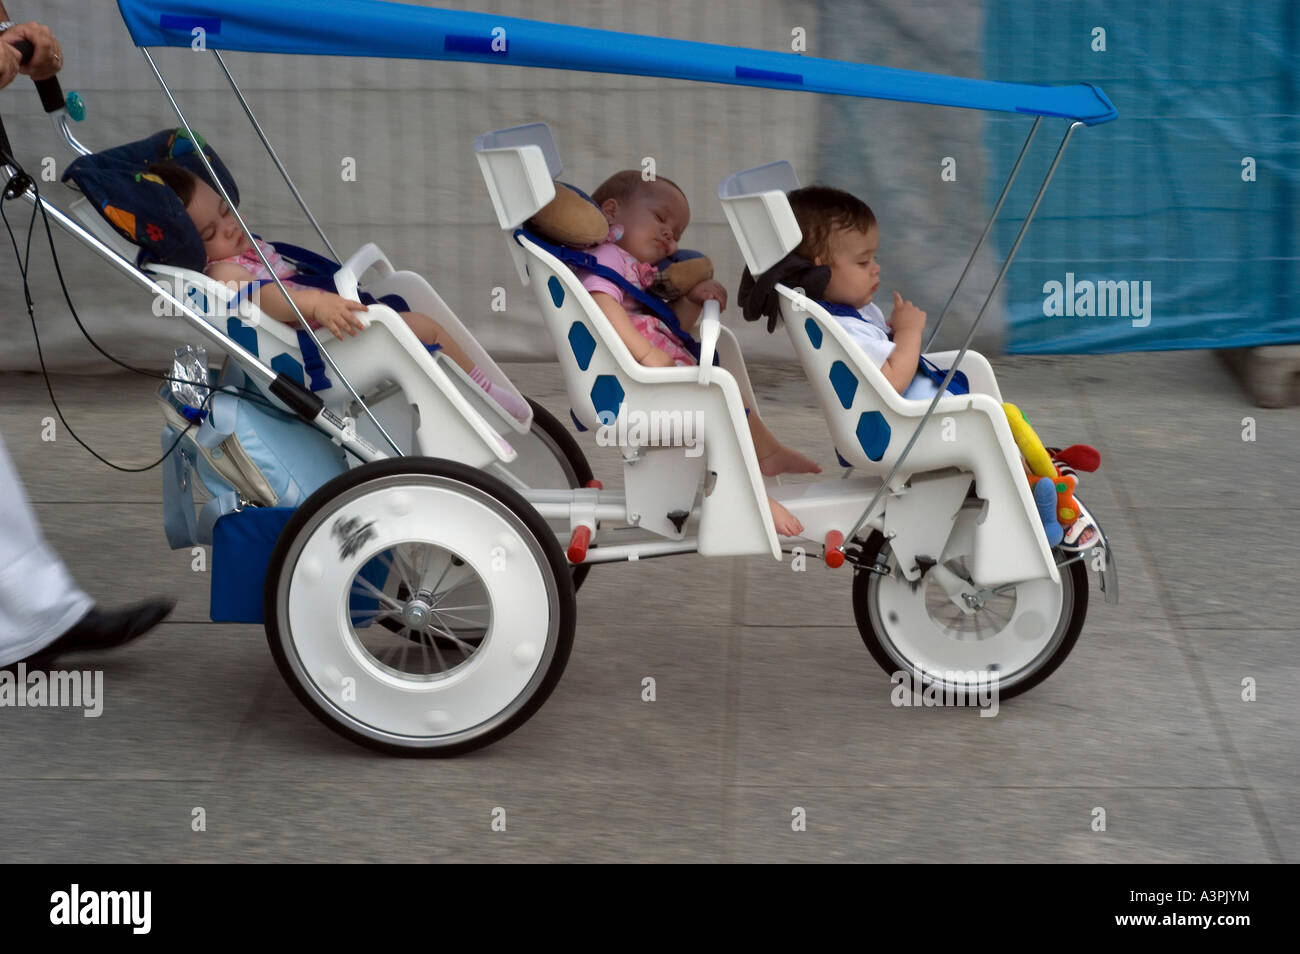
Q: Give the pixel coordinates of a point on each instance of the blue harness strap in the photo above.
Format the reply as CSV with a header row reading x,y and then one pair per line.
x,y
959,384
308,262
312,362
925,367
575,258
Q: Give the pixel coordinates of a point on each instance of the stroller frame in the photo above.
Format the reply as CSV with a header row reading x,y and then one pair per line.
x,y
372,531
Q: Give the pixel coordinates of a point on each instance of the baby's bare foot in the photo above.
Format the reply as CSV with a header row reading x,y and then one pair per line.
x,y
787,524
785,460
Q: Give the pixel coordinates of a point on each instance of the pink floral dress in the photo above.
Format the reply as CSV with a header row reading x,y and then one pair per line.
x,y
641,274
249,261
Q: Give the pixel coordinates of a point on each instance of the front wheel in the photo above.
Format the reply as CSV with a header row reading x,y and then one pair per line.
x,y
1017,637
477,639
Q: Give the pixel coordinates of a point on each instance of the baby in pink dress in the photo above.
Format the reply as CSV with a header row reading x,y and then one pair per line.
x,y
233,258
647,219
642,275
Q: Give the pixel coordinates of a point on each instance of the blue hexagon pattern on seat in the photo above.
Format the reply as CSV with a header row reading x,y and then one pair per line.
x,y
582,343
556,290
845,383
814,333
873,434
284,363
245,335
606,396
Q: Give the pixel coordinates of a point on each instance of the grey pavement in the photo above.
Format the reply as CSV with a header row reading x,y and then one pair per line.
x,y
767,700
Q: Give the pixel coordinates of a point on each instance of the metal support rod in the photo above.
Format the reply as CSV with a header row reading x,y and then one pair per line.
x,y
1006,189
60,120
248,110
564,511
1029,217
640,551
216,180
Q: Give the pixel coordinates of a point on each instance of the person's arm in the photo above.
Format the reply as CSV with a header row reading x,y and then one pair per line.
x,y
47,56
687,312
642,350
900,367
687,308
907,322
10,63
333,311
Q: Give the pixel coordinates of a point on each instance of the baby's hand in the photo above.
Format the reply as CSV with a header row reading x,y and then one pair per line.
x,y
338,314
654,358
905,316
710,290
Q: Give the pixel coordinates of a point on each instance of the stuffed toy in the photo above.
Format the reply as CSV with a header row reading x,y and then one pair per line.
x,y
1040,466
574,220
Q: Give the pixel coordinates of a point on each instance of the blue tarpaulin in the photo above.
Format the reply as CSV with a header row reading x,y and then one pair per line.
x,y
1193,196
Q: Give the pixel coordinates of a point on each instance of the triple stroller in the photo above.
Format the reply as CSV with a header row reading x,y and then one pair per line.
x,y
414,551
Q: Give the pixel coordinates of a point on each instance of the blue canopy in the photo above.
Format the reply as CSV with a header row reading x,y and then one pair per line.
x,y
403,31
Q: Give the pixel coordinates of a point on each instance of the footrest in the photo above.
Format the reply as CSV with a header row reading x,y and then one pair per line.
x,y
578,543
834,549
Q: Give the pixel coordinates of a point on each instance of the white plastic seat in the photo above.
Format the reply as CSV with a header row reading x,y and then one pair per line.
x,y
870,422
601,376
603,380
455,418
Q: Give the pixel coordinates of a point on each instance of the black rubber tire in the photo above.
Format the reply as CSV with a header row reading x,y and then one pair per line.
x,y
1078,613
553,428
481,481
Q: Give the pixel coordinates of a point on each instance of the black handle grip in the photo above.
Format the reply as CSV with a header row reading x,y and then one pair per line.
x,y
50,91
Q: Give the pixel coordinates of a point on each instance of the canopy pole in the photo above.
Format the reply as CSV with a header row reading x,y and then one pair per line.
x,y
880,493
248,110
216,180
1006,188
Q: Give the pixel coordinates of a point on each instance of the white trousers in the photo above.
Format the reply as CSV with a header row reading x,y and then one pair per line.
x,y
39,600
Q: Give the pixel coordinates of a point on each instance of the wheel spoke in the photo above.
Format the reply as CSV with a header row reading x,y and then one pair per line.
x,y
439,613
465,577
398,563
441,576
454,638
433,643
362,586
359,617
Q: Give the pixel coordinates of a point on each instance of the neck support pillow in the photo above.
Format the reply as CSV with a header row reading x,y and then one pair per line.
x,y
574,220
139,205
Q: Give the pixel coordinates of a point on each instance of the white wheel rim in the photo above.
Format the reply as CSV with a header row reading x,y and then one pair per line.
x,y
1012,636
332,659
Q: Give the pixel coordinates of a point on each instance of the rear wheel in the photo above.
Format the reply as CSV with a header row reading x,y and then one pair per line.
x,y
477,643
1018,635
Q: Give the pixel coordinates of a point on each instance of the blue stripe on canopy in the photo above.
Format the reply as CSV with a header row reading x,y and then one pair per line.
x,y
403,31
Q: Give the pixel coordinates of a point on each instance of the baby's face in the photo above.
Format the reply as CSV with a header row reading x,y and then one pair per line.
x,y
217,225
653,219
855,273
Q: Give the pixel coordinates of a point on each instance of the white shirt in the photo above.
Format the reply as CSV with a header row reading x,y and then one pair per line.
x,y
870,332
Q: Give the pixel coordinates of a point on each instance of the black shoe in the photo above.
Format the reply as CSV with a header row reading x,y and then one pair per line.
x,y
99,629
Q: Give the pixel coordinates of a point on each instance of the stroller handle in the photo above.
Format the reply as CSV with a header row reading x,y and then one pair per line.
x,y
49,89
